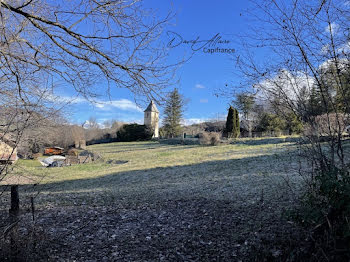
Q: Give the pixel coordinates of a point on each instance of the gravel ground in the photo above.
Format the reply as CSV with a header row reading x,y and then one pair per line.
x,y
182,230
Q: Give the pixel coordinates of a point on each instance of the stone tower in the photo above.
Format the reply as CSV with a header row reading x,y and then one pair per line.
x,y
152,118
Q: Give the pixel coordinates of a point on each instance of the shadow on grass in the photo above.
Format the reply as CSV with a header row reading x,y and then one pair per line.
x,y
136,144
150,147
220,178
269,140
201,212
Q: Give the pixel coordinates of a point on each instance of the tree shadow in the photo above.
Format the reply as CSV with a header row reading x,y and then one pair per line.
x,y
150,147
219,209
239,178
135,144
269,140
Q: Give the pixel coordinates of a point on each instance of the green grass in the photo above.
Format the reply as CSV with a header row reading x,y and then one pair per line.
x,y
156,171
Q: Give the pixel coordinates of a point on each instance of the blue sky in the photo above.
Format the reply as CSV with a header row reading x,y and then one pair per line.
x,y
200,77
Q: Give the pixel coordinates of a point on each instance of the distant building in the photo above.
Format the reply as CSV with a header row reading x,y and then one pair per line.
x,y
55,150
151,119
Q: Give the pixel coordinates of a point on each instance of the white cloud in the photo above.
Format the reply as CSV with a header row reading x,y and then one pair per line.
x,y
291,87
199,86
203,100
342,63
137,121
65,99
102,106
333,27
325,49
344,48
191,121
287,86
123,104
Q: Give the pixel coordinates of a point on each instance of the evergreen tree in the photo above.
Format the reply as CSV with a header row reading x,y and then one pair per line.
x,y
272,123
293,124
229,122
236,126
332,93
173,114
232,123
314,105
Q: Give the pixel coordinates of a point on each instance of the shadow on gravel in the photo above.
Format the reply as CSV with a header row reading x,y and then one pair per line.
x,y
182,230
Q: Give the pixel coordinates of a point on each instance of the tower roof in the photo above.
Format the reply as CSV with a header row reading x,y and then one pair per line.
x,y
152,107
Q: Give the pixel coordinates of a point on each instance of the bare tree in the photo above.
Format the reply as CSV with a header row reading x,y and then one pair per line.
x,y
74,44
307,73
82,42
305,41
44,44
91,123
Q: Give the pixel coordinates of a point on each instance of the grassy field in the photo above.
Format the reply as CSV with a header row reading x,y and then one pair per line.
x,y
149,169
151,201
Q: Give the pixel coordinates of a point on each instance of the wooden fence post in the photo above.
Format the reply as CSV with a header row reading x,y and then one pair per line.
x,y
14,200
14,212
32,206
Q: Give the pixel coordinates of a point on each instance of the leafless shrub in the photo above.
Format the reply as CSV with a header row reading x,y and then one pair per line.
x,y
204,138
327,125
212,138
